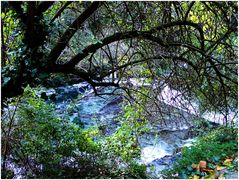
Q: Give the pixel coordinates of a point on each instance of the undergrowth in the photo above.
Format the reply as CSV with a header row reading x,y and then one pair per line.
x,y
217,149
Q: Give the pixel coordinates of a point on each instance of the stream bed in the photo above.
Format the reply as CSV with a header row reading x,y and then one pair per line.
x,y
158,146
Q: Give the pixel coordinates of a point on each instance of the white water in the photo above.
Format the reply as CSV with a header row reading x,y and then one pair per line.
x,y
150,153
175,98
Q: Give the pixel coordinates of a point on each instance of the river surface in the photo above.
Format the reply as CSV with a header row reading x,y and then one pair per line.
x,y
158,146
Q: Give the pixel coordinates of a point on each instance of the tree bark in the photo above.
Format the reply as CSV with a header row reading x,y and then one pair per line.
x,y
3,47
43,7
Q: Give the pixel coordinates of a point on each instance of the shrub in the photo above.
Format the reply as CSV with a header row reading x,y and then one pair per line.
x,y
213,148
48,146
43,141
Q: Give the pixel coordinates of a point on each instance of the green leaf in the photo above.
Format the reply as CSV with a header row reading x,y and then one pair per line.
x,y
183,175
3,15
216,158
43,75
189,168
211,166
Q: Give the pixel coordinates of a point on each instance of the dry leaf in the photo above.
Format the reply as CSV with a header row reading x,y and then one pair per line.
x,y
219,168
227,162
208,170
202,164
195,177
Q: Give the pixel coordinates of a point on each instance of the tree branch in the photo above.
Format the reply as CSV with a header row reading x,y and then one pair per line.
x,y
63,41
43,7
61,10
185,23
189,9
148,59
134,34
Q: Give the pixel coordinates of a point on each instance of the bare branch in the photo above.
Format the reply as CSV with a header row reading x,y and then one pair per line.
x,y
133,34
63,41
61,10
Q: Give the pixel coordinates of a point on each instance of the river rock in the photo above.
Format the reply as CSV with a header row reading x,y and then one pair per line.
x,y
44,96
166,160
64,94
155,168
231,175
53,97
112,106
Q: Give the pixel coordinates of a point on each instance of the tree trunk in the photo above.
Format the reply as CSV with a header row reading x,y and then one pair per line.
x,y
3,47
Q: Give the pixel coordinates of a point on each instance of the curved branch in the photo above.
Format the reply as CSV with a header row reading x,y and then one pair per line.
x,y
147,59
61,10
179,23
63,41
134,34
94,47
224,36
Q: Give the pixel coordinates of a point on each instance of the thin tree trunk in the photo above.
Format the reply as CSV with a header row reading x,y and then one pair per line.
x,y
3,47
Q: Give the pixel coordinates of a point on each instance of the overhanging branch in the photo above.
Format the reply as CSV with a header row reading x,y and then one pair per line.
x,y
63,41
61,10
43,7
136,34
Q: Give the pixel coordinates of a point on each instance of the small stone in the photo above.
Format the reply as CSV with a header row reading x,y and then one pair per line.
x,y
44,96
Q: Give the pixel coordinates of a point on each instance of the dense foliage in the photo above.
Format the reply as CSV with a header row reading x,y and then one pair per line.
x,y
218,148
191,46
141,48
49,147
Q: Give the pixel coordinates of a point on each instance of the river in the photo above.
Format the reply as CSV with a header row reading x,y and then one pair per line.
x,y
158,146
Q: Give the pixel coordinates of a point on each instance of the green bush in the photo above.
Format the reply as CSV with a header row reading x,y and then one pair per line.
x,y
123,146
214,148
45,141
50,147
137,170
201,126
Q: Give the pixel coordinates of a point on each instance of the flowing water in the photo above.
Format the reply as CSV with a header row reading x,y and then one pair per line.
x,y
158,146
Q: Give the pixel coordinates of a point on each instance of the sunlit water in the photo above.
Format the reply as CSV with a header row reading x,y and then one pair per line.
x,y
150,153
